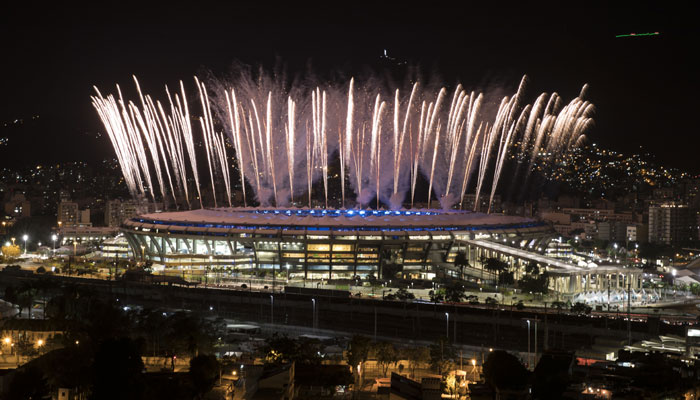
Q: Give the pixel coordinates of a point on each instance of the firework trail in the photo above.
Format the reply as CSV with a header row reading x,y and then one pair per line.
x,y
383,139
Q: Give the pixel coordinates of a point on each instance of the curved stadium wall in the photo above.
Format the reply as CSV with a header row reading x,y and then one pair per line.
x,y
314,244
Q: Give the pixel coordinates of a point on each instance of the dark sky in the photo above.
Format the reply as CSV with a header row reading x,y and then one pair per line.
x,y
645,88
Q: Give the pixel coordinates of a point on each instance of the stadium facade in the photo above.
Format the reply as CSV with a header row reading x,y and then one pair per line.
x,y
316,243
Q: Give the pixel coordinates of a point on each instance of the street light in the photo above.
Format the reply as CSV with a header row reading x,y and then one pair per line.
x,y
54,238
272,309
25,238
528,344
313,314
447,327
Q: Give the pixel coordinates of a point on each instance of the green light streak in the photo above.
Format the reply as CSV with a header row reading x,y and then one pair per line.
x,y
638,34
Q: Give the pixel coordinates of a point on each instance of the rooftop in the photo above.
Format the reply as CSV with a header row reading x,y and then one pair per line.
x,y
244,218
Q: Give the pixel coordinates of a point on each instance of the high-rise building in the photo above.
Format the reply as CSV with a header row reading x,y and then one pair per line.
x,y
70,214
116,211
671,223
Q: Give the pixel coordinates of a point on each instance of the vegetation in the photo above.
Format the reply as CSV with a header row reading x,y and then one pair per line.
x,y
441,354
581,308
11,251
500,270
103,344
204,369
534,280
461,262
357,354
283,349
386,355
454,292
416,356
503,371
437,296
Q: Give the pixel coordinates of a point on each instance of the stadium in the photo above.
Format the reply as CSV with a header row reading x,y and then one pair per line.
x,y
317,243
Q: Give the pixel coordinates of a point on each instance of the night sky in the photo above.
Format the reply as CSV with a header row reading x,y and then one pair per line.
x,y
645,88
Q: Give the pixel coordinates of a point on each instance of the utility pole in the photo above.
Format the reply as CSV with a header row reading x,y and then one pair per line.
x,y
546,329
454,336
534,360
375,323
629,317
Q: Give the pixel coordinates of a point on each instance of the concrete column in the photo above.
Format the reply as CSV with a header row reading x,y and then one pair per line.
x,y
588,282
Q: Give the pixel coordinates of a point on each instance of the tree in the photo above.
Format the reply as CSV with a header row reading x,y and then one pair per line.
x,y
404,294
532,268
449,384
204,369
441,354
436,296
357,354
25,347
118,370
187,333
559,305
12,250
461,262
29,383
494,265
503,371
581,308
78,376
282,349
551,376
454,292
490,301
416,356
500,269
535,280
386,355
25,297
506,278
389,270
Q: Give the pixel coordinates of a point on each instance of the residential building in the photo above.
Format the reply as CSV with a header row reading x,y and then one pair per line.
x,y
637,233
117,211
18,206
70,214
672,223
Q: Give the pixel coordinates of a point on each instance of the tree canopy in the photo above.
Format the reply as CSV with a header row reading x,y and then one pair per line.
x,y
503,370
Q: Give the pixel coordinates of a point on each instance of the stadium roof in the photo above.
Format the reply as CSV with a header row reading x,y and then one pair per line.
x,y
228,218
